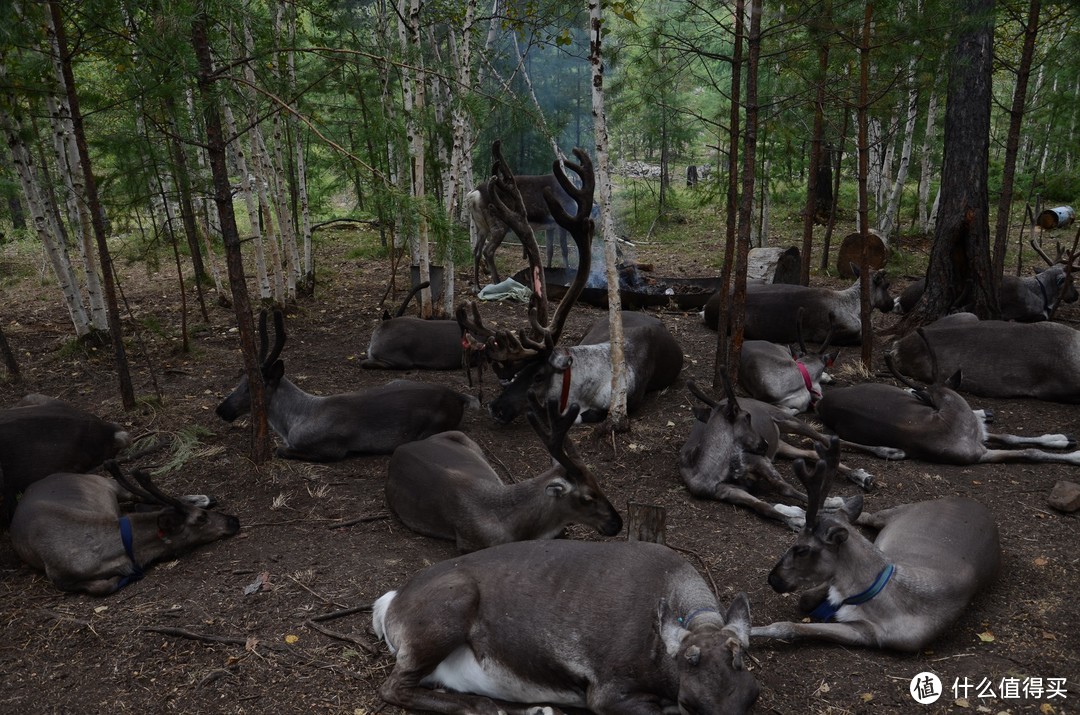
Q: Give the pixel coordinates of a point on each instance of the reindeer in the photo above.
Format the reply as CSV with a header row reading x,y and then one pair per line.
x,y
443,487
320,429
933,423
491,228
729,454
405,342
555,622
1027,300
582,373
900,591
781,376
71,527
772,310
43,435
997,358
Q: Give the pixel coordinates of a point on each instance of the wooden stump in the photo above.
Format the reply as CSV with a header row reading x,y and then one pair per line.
x,y
851,252
773,265
646,522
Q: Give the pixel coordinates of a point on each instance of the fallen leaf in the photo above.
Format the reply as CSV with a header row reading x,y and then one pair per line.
x,y
1048,636
867,697
1047,709
986,637
261,583
1041,561
251,643
962,703
101,609
290,639
670,423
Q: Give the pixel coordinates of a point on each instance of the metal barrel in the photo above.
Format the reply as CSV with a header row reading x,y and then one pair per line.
x,y
1058,217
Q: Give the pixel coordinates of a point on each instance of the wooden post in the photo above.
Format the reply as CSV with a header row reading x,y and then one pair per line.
x,y
646,522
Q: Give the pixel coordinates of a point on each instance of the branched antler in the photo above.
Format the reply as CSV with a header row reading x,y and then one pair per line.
x,y
818,482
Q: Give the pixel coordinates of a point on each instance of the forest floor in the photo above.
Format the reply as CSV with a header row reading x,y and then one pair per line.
x,y
64,653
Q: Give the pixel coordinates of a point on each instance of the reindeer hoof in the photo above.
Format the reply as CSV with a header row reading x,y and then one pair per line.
x,y
793,516
862,478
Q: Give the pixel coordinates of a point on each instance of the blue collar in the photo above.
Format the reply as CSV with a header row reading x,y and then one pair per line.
x,y
1046,298
125,537
684,621
827,609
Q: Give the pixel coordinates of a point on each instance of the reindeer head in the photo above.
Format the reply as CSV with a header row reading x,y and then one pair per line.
x,y
719,440
525,355
709,658
576,492
813,558
272,367
1059,274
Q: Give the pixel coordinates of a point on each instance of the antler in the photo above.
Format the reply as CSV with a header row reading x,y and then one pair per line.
x,y
818,482
265,361
700,394
580,227
144,481
553,429
1042,253
114,469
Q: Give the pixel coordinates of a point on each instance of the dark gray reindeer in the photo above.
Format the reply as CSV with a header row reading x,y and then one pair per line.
x,y
729,454
997,358
71,527
579,374
500,630
43,435
1028,299
318,428
783,376
443,487
772,310
405,342
491,227
931,423
900,591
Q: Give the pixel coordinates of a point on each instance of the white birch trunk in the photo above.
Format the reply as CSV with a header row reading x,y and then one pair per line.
x,y
925,168
280,186
306,266
44,222
931,224
888,220
240,159
873,176
617,412
762,237
1047,132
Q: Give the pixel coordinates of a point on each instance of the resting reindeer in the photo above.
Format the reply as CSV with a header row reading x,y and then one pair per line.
x,y
900,591
318,429
1027,300
580,374
772,310
506,628
780,376
729,454
71,527
443,486
43,435
998,358
934,424
406,342
491,227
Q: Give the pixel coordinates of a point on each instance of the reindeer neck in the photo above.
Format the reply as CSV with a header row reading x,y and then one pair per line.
x,y
148,542
863,564
288,403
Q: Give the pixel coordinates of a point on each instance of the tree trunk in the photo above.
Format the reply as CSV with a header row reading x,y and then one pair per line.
x,y
97,217
887,222
8,356
810,211
617,416
260,435
723,341
864,180
187,209
307,267
925,170
1012,140
960,266
240,159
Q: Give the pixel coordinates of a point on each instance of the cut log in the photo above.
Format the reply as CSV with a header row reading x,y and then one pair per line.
x,y
646,522
773,265
851,252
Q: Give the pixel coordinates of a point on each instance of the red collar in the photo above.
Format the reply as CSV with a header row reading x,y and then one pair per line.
x,y
564,397
815,395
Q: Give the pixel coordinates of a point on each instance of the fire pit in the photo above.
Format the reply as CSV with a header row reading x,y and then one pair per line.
x,y
636,292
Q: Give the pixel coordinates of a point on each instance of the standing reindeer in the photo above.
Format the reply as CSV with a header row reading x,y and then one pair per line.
x,y
931,423
900,591
443,487
620,628
319,429
491,228
580,374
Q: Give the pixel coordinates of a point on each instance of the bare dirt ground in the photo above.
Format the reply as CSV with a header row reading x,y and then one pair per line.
x,y
63,653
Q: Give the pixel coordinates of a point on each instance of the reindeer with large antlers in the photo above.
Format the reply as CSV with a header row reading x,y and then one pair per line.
x,y
444,487
900,591
317,428
531,359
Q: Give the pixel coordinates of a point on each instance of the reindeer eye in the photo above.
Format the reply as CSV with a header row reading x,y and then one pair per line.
x,y
801,550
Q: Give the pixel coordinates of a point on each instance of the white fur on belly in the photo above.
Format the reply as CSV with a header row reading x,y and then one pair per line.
x,y
378,618
461,671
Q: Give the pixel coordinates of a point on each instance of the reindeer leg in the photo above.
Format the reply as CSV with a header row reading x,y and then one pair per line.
x,y
1036,456
793,516
858,633
793,425
855,474
1046,441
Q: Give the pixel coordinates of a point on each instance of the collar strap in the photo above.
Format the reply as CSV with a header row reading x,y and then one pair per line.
x,y
827,609
815,395
1046,298
126,539
684,621
564,396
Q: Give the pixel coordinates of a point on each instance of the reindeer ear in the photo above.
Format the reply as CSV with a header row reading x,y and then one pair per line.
x,y
737,629
274,373
668,628
557,487
831,358
855,268
953,383
852,507
835,535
